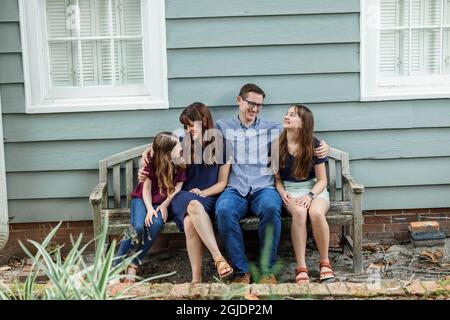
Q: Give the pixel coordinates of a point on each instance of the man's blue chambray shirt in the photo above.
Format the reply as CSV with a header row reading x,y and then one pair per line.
x,y
250,148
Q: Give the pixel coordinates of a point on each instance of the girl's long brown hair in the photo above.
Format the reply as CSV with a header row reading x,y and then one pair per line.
x,y
303,157
198,111
165,169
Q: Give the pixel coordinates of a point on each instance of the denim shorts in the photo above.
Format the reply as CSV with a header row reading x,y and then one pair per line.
x,y
298,189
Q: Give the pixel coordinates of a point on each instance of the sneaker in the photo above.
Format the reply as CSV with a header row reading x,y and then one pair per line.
x,y
243,278
268,279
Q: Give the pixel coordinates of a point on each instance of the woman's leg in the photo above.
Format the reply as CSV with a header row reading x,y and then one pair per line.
x,y
298,234
203,226
321,231
195,249
204,229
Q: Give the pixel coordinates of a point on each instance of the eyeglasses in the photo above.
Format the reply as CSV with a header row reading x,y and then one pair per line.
x,y
252,104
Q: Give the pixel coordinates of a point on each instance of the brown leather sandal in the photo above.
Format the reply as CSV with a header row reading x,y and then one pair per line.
x,y
326,275
303,279
221,264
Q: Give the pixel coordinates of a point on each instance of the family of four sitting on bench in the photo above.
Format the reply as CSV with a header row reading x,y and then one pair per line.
x,y
224,172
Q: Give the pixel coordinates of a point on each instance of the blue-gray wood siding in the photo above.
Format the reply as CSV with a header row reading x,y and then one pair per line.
x,y
297,51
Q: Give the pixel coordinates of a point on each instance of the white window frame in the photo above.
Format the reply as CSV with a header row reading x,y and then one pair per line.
x,y
153,94
372,86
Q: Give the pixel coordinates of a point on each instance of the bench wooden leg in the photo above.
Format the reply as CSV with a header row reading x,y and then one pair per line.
x,y
357,232
97,221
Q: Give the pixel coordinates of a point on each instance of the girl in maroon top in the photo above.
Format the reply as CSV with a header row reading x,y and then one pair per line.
x,y
151,199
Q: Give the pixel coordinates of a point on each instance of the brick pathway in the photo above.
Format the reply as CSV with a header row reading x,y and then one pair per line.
x,y
388,289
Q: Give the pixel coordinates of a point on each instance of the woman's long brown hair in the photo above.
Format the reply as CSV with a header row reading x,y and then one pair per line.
x,y
165,169
198,111
303,157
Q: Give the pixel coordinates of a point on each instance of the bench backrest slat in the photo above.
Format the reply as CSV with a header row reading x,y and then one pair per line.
x,y
129,179
116,185
331,175
103,177
334,174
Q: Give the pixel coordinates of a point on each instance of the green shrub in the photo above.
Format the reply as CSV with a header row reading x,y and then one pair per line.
x,y
72,277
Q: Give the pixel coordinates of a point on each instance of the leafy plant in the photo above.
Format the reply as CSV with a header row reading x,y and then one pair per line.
x,y
264,262
257,272
72,277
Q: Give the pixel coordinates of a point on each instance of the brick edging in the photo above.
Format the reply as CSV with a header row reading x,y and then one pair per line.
x,y
386,289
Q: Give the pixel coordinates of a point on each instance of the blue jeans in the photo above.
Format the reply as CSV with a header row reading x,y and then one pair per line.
x,y
231,207
146,236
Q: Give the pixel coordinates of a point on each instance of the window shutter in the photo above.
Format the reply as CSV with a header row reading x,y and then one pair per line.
x,y
132,53
96,54
103,17
131,17
395,44
134,65
431,38
128,53
61,70
389,15
104,46
404,46
446,57
88,49
57,18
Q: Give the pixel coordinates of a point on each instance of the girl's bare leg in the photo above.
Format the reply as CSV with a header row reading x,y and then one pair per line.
x,y
321,231
298,234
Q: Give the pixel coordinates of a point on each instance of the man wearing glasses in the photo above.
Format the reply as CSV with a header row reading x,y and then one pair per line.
x,y
250,188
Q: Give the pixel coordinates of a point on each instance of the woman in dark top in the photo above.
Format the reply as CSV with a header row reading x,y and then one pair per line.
x,y
301,183
192,207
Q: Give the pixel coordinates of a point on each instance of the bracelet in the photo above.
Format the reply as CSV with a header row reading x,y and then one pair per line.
x,y
312,195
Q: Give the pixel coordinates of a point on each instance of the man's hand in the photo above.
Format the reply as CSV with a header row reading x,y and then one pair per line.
x,y
142,174
322,150
145,154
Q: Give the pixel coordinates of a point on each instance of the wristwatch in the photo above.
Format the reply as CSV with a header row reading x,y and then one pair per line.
x,y
312,195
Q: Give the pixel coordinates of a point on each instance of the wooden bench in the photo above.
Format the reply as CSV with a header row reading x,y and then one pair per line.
x,y
118,175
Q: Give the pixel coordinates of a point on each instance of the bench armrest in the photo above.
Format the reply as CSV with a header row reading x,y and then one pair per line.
x,y
354,185
96,196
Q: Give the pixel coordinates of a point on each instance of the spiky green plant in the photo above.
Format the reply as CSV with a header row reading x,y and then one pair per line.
x,y
72,277
257,271
264,261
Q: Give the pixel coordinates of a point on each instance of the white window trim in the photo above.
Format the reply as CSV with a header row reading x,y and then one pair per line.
x,y
419,87
34,57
